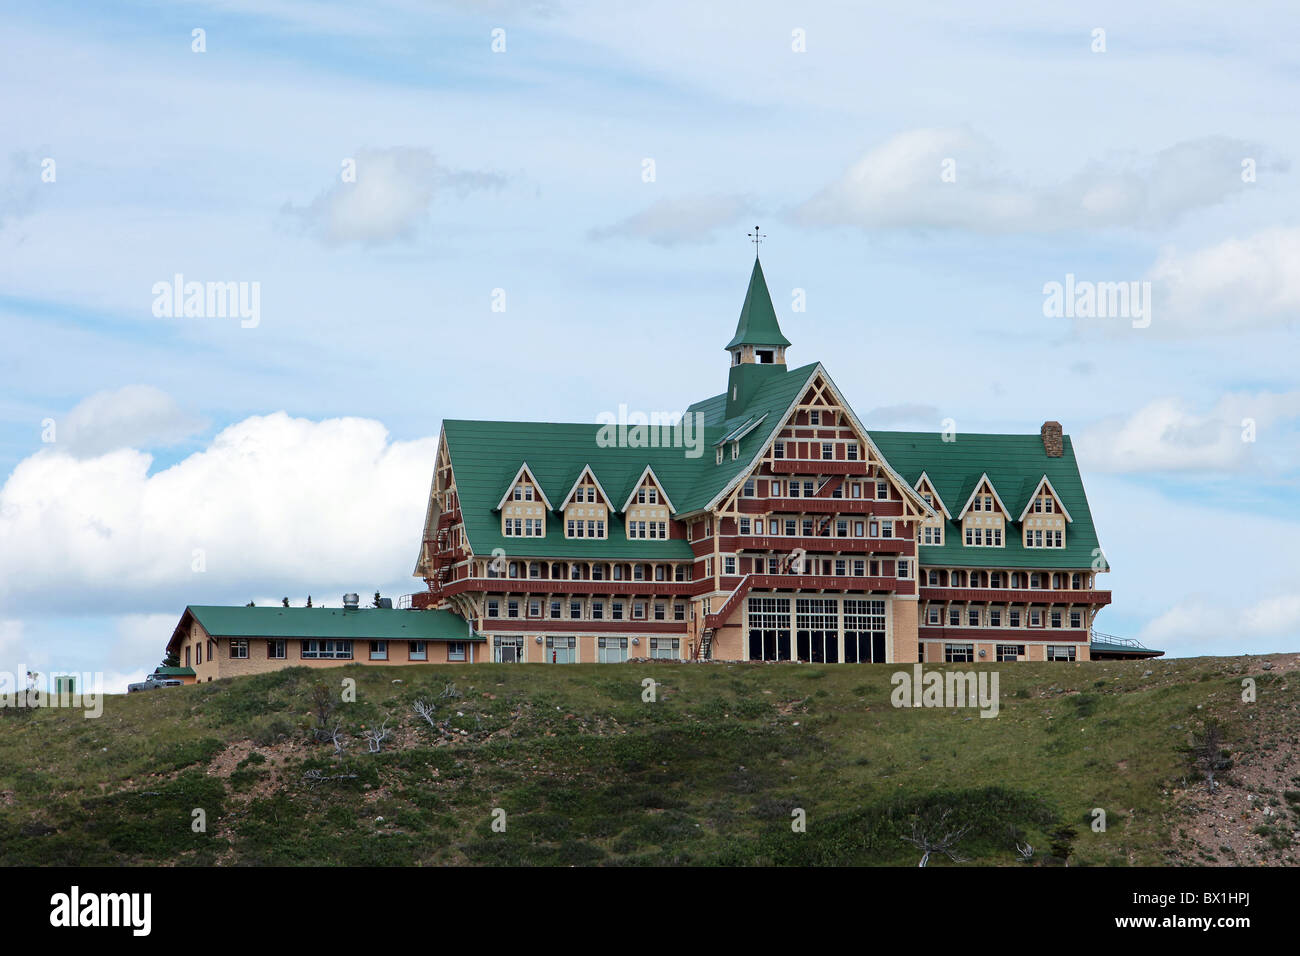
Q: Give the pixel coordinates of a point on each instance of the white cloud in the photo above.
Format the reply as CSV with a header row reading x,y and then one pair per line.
x,y
901,184
135,415
671,222
389,198
11,635
1238,283
1168,435
273,504
908,414
1246,629
20,183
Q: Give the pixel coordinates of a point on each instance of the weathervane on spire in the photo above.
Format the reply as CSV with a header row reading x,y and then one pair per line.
x,y
756,238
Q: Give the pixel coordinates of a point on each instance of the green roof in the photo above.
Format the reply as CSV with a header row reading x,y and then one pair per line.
x,y
1014,465
174,671
486,456
758,324
372,624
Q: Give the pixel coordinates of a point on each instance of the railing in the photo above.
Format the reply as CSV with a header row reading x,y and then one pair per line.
x,y
823,543
712,621
1102,638
817,466
569,586
1020,595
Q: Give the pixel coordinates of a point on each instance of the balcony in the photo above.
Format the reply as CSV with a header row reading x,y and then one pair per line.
x,y
824,544
539,625
1003,635
1014,596
561,586
817,466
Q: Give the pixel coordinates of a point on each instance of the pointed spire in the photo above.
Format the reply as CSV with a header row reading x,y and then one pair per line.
x,y
758,324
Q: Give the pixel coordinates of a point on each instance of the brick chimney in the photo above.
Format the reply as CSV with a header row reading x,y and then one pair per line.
x,y
1052,443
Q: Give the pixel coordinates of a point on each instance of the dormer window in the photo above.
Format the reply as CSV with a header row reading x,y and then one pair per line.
x,y
718,459
735,450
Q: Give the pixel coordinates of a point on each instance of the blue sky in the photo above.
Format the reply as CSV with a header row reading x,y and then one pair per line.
x,y
295,455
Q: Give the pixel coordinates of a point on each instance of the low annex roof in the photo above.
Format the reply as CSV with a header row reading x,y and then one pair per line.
x,y
363,624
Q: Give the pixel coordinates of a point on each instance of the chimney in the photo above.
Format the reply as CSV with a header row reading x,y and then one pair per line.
x,y
1052,443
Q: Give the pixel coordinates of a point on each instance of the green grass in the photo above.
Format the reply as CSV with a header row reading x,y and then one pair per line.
x,y
587,773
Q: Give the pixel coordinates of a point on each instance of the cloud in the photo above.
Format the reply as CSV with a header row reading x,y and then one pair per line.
x,y
274,504
389,199
1197,621
1167,435
686,221
924,416
135,415
1238,283
900,184
20,184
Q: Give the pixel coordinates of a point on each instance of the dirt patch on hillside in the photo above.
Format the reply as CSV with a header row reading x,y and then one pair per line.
x,y
1253,817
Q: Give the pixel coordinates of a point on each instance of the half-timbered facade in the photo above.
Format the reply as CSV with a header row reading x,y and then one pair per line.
x,y
770,524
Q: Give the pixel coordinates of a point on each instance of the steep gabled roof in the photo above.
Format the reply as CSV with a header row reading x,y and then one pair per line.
x,y
954,466
1033,494
640,481
916,486
524,470
586,470
758,324
980,482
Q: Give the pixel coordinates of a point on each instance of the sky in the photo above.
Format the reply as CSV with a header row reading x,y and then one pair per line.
x,y
538,211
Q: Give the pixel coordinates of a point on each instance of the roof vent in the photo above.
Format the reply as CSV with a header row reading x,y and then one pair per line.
x,y
351,602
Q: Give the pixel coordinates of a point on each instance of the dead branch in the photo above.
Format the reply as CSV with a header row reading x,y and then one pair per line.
x,y
932,838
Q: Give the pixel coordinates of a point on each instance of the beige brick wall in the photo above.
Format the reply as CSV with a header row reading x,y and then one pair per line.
x,y
903,618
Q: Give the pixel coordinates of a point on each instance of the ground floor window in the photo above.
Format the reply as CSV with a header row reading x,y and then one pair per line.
x,y
331,650
665,648
1060,652
611,650
456,650
864,631
1011,652
276,650
379,650
507,650
817,630
562,650
417,651
769,629
958,653
239,650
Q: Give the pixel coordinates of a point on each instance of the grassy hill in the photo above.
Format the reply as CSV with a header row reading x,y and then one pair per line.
x,y
709,773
